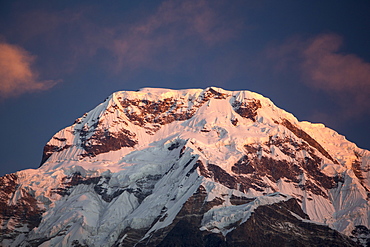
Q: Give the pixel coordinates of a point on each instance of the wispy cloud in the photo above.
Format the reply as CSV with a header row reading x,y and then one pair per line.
x,y
159,38
16,73
322,65
329,69
346,76
176,30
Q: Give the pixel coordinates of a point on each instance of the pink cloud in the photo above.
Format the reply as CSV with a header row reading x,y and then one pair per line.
x,y
16,73
328,69
345,76
322,65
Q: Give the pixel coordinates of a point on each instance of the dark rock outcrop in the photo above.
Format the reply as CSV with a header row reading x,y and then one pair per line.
x,y
279,224
303,135
23,213
248,108
275,225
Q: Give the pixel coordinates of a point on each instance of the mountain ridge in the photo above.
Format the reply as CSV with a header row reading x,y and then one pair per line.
x,y
125,172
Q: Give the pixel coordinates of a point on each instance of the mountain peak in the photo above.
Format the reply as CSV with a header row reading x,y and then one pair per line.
x,y
141,165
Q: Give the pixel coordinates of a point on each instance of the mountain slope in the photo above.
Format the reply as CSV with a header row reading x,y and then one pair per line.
x,y
157,166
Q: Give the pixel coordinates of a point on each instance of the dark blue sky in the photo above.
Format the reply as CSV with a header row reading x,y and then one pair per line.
x,y
59,59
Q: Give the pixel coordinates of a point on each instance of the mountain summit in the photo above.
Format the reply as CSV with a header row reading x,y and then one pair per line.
x,y
194,167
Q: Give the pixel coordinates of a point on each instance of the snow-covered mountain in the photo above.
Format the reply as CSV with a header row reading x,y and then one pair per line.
x,y
194,167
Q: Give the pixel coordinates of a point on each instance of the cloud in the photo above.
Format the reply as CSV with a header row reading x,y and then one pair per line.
x,y
163,37
16,73
346,76
328,69
203,19
322,66
174,32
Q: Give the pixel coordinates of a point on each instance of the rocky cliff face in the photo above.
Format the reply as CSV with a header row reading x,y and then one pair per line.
x,y
161,167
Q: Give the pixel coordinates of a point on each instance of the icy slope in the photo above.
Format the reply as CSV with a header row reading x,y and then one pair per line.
x,y
134,168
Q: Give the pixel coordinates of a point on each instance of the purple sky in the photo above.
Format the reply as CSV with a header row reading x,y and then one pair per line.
x,y
59,59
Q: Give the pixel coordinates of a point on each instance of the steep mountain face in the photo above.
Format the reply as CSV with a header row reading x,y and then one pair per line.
x,y
211,167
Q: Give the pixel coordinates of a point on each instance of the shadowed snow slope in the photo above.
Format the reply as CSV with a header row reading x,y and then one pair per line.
x,y
194,167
